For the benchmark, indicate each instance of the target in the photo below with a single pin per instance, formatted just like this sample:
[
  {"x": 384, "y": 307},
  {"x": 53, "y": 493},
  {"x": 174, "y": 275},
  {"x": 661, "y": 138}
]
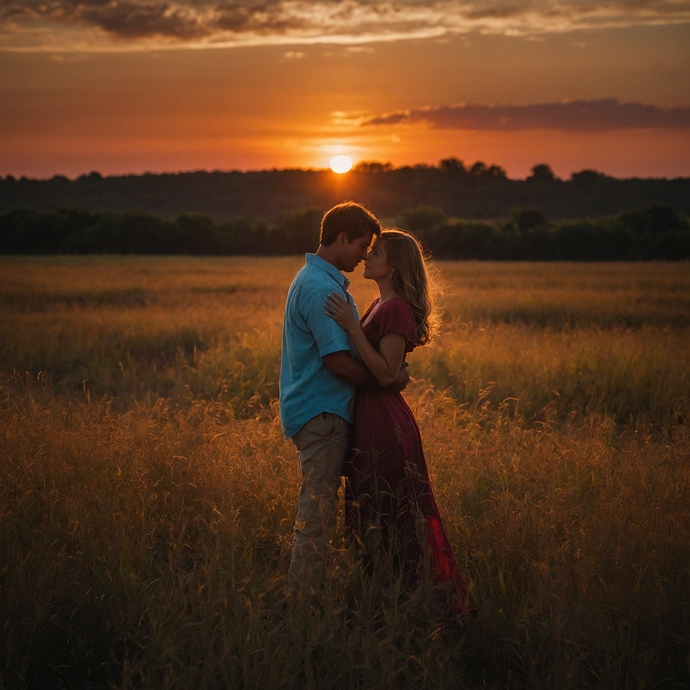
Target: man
[{"x": 318, "y": 376}]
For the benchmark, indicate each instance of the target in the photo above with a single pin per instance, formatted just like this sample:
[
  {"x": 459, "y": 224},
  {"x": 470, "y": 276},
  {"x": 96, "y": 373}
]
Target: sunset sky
[{"x": 174, "y": 85}]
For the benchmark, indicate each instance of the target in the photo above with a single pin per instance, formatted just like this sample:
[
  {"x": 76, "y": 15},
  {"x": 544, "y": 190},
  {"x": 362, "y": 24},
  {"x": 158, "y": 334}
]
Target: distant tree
[
  {"x": 672, "y": 246},
  {"x": 76, "y": 219},
  {"x": 526, "y": 219},
  {"x": 244, "y": 236},
  {"x": 296, "y": 233},
  {"x": 503, "y": 246},
  {"x": 458, "y": 239},
  {"x": 539, "y": 244},
  {"x": 131, "y": 232},
  {"x": 199, "y": 234},
  {"x": 478, "y": 169},
  {"x": 587, "y": 240},
  {"x": 421, "y": 220},
  {"x": 452, "y": 166},
  {"x": 654, "y": 219},
  {"x": 588, "y": 176},
  {"x": 95, "y": 175},
  {"x": 497, "y": 172},
  {"x": 25, "y": 230},
  {"x": 372, "y": 167},
  {"x": 542, "y": 173},
  {"x": 196, "y": 223}
]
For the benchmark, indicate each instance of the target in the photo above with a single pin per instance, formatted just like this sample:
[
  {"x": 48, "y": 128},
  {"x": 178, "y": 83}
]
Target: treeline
[
  {"x": 655, "y": 232},
  {"x": 459, "y": 190},
  {"x": 80, "y": 231}
]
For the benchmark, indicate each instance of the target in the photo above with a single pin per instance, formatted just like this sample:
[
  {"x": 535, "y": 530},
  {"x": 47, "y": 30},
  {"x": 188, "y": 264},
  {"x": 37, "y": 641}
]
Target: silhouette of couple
[{"x": 341, "y": 404}]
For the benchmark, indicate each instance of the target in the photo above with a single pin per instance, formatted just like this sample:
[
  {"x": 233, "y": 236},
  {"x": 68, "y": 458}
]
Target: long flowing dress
[{"x": 390, "y": 507}]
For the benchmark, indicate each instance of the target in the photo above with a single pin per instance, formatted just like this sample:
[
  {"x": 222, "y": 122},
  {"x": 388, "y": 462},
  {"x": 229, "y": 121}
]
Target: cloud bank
[
  {"x": 575, "y": 116},
  {"x": 209, "y": 22}
]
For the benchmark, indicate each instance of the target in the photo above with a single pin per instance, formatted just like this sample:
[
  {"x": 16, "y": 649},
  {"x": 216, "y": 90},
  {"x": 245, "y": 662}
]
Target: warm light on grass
[
  {"x": 148, "y": 496},
  {"x": 340, "y": 164}
]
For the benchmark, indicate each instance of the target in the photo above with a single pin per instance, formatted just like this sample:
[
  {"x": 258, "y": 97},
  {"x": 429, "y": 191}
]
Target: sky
[{"x": 134, "y": 86}]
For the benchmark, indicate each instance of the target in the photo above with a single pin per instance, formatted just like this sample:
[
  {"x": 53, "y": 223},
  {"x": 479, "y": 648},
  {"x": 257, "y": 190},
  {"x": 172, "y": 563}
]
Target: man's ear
[{"x": 342, "y": 239}]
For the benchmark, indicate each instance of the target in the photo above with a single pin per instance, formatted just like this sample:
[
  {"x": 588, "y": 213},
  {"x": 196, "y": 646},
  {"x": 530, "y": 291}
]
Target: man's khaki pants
[{"x": 322, "y": 443}]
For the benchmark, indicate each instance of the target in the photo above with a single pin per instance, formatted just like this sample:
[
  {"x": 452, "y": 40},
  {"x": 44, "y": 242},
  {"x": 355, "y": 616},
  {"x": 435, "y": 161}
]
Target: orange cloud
[{"x": 601, "y": 114}]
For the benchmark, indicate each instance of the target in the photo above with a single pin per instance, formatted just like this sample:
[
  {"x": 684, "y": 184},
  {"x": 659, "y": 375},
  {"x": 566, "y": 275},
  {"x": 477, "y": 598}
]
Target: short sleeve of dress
[{"x": 396, "y": 317}]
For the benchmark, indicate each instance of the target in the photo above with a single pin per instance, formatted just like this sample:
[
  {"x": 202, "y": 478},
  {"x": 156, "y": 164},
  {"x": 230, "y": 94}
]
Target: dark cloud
[
  {"x": 576, "y": 116},
  {"x": 130, "y": 19},
  {"x": 266, "y": 17},
  {"x": 137, "y": 20},
  {"x": 224, "y": 19}
]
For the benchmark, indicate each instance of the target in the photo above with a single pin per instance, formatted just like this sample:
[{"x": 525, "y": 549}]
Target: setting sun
[{"x": 340, "y": 164}]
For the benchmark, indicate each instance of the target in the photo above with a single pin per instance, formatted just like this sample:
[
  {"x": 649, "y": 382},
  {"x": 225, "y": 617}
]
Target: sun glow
[{"x": 340, "y": 164}]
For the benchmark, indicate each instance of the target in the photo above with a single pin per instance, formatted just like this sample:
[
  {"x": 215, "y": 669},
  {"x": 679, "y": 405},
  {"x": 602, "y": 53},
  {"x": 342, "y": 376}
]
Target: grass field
[{"x": 147, "y": 494}]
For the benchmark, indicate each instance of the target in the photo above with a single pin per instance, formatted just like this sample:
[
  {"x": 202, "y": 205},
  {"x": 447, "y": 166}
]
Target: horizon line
[{"x": 385, "y": 167}]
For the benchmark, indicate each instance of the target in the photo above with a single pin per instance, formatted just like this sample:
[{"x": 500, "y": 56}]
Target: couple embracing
[{"x": 340, "y": 402}]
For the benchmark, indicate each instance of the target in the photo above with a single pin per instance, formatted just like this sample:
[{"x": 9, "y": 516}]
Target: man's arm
[{"x": 345, "y": 366}]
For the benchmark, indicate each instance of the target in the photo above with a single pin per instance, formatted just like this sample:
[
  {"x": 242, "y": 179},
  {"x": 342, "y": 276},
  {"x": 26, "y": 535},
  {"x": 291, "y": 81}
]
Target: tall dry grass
[{"x": 147, "y": 494}]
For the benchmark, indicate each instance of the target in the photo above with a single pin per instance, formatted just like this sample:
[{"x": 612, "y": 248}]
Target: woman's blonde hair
[{"x": 414, "y": 280}]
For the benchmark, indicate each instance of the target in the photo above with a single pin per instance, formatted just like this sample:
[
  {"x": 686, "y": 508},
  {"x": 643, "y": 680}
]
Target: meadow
[{"x": 147, "y": 494}]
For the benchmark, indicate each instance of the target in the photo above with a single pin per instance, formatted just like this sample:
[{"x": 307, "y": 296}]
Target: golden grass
[{"x": 147, "y": 494}]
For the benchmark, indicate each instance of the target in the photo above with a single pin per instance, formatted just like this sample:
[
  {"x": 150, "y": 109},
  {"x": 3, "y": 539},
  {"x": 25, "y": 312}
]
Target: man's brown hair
[{"x": 348, "y": 217}]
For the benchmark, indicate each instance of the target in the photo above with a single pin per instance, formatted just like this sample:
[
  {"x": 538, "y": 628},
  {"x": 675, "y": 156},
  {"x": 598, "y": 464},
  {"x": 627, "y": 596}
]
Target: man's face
[{"x": 351, "y": 253}]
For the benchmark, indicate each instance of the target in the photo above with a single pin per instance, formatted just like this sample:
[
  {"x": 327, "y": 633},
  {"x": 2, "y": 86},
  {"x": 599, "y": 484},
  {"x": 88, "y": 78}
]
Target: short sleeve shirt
[{"x": 307, "y": 387}]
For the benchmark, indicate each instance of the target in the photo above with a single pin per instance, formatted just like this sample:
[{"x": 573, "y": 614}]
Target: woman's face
[{"x": 376, "y": 264}]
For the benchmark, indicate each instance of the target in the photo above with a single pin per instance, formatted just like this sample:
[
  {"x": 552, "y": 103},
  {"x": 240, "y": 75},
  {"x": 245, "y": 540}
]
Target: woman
[{"x": 390, "y": 504}]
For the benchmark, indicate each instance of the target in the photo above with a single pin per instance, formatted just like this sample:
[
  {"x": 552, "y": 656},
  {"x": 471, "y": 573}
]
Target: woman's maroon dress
[{"x": 389, "y": 502}]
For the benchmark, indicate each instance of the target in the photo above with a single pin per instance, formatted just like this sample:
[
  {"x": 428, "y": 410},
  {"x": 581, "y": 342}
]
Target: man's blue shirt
[{"x": 307, "y": 387}]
